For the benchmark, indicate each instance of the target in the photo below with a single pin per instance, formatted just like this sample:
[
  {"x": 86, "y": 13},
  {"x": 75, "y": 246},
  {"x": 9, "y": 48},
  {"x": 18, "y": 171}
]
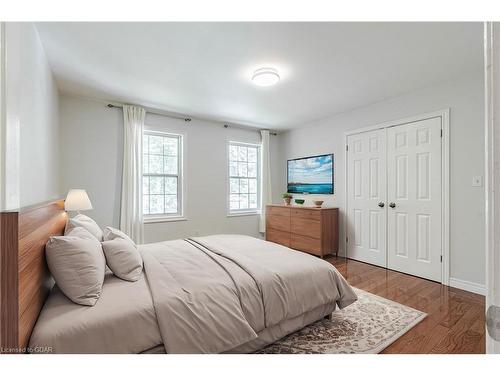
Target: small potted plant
[{"x": 287, "y": 198}]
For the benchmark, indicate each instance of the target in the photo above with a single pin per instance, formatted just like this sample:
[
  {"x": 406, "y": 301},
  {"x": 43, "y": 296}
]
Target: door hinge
[
  {"x": 346, "y": 239},
  {"x": 441, "y": 133},
  {"x": 346, "y": 147},
  {"x": 441, "y": 259}
]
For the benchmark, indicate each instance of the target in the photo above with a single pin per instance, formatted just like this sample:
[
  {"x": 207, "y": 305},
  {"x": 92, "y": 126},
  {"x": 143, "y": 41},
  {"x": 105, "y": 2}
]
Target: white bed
[{"x": 214, "y": 294}]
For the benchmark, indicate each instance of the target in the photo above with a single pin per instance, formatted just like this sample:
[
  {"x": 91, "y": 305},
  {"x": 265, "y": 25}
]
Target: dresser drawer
[
  {"x": 306, "y": 227},
  {"x": 277, "y": 236},
  {"x": 278, "y": 211},
  {"x": 278, "y": 222},
  {"x": 307, "y": 244},
  {"x": 306, "y": 214}
]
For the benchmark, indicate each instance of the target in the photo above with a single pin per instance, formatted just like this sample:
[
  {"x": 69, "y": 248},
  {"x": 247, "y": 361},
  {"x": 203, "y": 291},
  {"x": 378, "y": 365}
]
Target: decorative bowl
[
  {"x": 318, "y": 203},
  {"x": 300, "y": 201}
]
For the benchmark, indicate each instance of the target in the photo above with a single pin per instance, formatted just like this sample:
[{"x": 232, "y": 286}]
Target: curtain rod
[
  {"x": 156, "y": 112},
  {"x": 185, "y": 118}
]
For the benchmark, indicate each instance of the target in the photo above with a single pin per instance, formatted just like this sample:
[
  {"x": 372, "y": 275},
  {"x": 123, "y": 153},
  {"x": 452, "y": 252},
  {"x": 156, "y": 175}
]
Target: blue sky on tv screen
[{"x": 315, "y": 170}]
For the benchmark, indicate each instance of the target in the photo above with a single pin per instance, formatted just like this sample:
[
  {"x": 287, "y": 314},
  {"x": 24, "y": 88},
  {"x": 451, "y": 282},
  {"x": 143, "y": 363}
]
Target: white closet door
[
  {"x": 366, "y": 201},
  {"x": 414, "y": 198}
]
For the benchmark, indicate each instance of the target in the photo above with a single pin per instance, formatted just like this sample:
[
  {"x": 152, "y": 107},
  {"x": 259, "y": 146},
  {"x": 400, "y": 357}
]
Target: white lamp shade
[{"x": 77, "y": 200}]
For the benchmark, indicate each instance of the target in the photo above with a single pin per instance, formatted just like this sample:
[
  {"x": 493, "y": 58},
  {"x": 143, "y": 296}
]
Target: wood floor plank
[{"x": 455, "y": 321}]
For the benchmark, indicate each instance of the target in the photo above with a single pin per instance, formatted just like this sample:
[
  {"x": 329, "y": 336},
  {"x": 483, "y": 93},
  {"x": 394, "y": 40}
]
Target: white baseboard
[{"x": 468, "y": 286}]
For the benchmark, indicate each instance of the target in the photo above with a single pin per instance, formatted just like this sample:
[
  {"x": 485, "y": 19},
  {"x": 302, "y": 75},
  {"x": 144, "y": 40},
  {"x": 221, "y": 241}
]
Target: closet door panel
[
  {"x": 366, "y": 197},
  {"x": 414, "y": 197}
]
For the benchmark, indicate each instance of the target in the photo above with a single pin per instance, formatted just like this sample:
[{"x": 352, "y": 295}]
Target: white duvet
[{"x": 212, "y": 294}]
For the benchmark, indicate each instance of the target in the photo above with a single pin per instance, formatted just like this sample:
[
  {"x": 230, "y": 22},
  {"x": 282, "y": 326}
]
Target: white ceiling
[{"x": 204, "y": 69}]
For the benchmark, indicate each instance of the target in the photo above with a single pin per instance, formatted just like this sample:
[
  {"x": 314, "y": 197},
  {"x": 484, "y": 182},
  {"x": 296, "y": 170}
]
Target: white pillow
[
  {"x": 77, "y": 264},
  {"x": 84, "y": 222},
  {"x": 111, "y": 233},
  {"x": 123, "y": 258}
]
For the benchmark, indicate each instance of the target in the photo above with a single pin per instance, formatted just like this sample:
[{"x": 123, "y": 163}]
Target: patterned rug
[{"x": 367, "y": 326}]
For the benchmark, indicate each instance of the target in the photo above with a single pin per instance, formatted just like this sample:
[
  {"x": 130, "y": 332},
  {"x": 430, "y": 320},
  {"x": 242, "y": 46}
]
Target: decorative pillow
[
  {"x": 84, "y": 222},
  {"x": 123, "y": 258},
  {"x": 111, "y": 233},
  {"x": 77, "y": 264}
]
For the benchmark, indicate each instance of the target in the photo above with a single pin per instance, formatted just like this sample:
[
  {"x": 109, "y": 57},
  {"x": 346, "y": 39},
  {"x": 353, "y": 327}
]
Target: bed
[{"x": 213, "y": 294}]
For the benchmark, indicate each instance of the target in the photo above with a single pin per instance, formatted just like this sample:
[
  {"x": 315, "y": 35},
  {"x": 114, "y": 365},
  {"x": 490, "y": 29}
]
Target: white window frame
[
  {"x": 246, "y": 211},
  {"x": 179, "y": 215}
]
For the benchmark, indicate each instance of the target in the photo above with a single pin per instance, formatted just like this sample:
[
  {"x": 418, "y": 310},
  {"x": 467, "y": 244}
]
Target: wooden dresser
[{"x": 309, "y": 229}]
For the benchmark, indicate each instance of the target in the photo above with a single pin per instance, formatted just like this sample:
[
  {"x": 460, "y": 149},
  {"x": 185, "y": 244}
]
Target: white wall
[
  {"x": 32, "y": 150},
  {"x": 91, "y": 139},
  {"x": 465, "y": 98},
  {"x": 91, "y": 150},
  {"x": 31, "y": 129}
]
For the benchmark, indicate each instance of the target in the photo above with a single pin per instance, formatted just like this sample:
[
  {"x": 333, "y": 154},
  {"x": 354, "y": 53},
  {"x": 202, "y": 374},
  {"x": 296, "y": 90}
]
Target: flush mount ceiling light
[{"x": 265, "y": 77}]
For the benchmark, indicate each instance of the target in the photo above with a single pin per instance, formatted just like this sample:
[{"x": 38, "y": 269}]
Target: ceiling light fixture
[{"x": 265, "y": 77}]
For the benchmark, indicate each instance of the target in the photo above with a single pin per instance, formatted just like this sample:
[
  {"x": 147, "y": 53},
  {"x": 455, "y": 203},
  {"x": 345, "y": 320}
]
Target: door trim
[
  {"x": 444, "y": 114},
  {"x": 2, "y": 115},
  {"x": 492, "y": 134}
]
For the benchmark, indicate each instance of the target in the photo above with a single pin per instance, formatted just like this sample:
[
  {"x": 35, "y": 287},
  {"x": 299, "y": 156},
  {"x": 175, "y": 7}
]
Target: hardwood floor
[{"x": 455, "y": 321}]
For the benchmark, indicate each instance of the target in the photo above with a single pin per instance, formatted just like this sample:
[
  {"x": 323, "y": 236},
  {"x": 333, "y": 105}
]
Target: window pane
[
  {"x": 171, "y": 203},
  {"x": 252, "y": 169},
  {"x": 233, "y": 153},
  {"x": 155, "y": 164},
  {"x": 170, "y": 146},
  {"x": 252, "y": 186},
  {"x": 233, "y": 169},
  {"x": 160, "y": 157},
  {"x": 145, "y": 204},
  {"x": 243, "y": 181},
  {"x": 145, "y": 164},
  {"x": 252, "y": 154},
  {"x": 170, "y": 165},
  {"x": 242, "y": 169},
  {"x": 234, "y": 186},
  {"x": 157, "y": 204},
  {"x": 252, "y": 200},
  {"x": 242, "y": 153},
  {"x": 145, "y": 140},
  {"x": 170, "y": 185},
  {"x": 243, "y": 185},
  {"x": 156, "y": 185},
  {"x": 155, "y": 145},
  {"x": 243, "y": 201}
]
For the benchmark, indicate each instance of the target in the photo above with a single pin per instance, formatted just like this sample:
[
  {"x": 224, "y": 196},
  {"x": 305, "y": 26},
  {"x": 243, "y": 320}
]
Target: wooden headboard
[{"x": 24, "y": 278}]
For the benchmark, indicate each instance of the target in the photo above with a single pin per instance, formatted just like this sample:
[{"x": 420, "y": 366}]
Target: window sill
[
  {"x": 244, "y": 213},
  {"x": 164, "y": 219}
]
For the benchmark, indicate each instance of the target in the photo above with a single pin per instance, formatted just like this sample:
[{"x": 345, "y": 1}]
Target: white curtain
[
  {"x": 131, "y": 205},
  {"x": 266, "y": 179}
]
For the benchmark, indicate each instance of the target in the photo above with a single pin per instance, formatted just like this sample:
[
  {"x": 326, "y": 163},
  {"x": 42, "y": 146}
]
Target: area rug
[{"x": 367, "y": 326}]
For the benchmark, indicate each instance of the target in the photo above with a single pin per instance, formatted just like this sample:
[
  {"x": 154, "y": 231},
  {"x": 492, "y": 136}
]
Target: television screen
[{"x": 311, "y": 175}]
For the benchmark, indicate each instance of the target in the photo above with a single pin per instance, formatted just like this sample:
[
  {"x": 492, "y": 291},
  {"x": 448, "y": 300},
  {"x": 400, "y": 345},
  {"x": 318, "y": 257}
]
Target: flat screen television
[{"x": 310, "y": 175}]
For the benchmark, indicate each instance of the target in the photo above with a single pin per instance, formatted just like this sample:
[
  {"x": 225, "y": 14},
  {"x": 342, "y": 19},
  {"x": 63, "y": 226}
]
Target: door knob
[
  {"x": 392, "y": 205},
  {"x": 381, "y": 204}
]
